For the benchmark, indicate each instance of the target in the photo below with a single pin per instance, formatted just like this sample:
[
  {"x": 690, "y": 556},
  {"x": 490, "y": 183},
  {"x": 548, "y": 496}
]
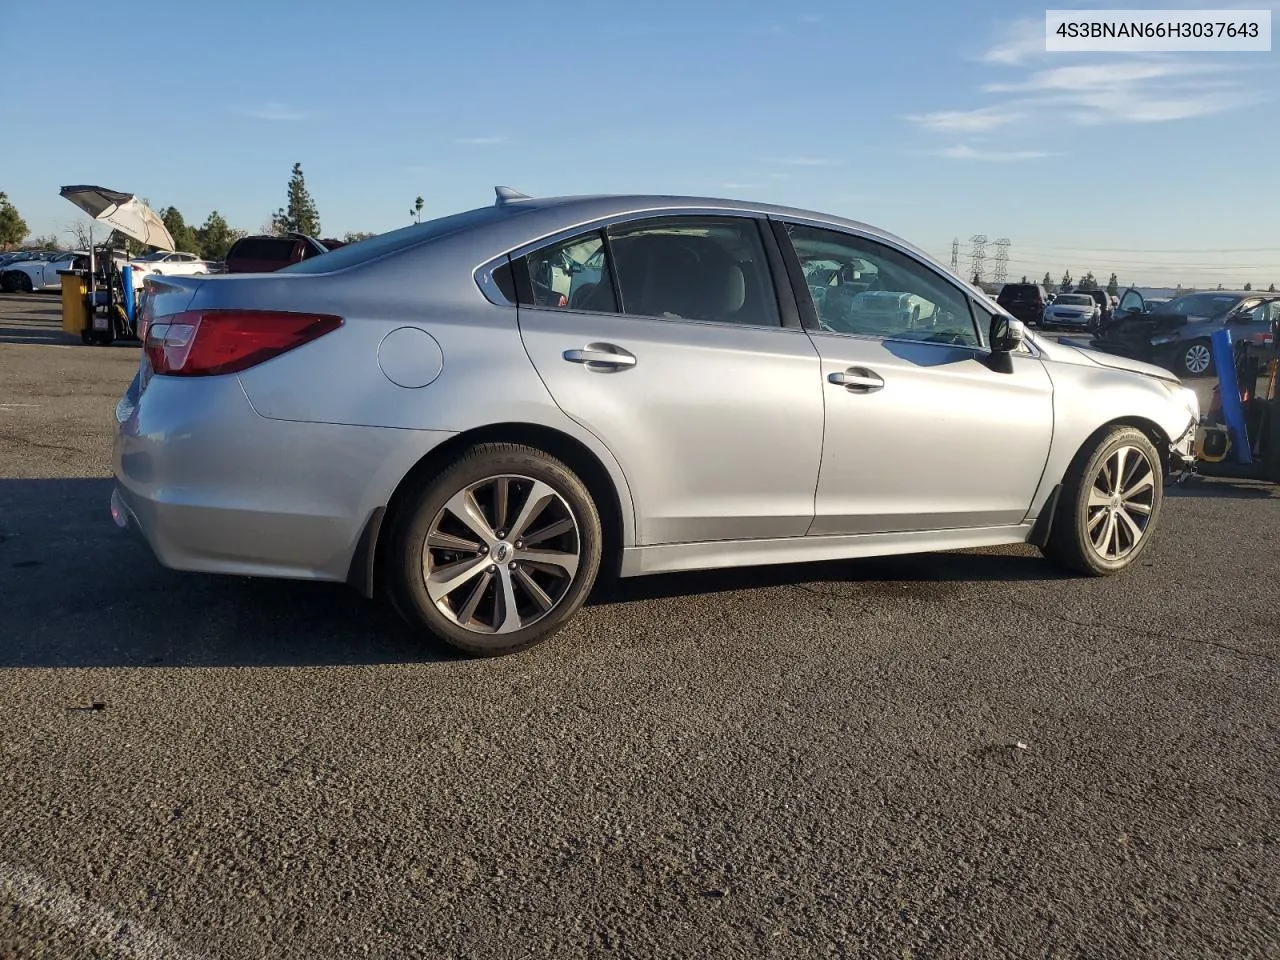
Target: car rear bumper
[{"x": 216, "y": 488}]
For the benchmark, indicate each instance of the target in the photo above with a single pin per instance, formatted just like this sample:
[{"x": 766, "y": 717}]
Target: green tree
[
  {"x": 417, "y": 209},
  {"x": 300, "y": 214},
  {"x": 1065, "y": 285},
  {"x": 1248, "y": 286},
  {"x": 1113, "y": 286},
  {"x": 1047, "y": 282},
  {"x": 44, "y": 242},
  {"x": 355, "y": 236},
  {"x": 13, "y": 229},
  {"x": 1087, "y": 282},
  {"x": 184, "y": 238},
  {"x": 1271, "y": 289},
  {"x": 216, "y": 237}
]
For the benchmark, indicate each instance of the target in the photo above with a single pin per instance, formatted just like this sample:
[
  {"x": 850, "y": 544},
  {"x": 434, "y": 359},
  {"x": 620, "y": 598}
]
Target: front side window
[
  {"x": 864, "y": 288},
  {"x": 711, "y": 269}
]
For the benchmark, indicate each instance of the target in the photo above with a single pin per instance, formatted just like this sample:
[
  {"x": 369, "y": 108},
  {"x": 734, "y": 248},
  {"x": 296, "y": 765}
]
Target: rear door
[{"x": 682, "y": 360}]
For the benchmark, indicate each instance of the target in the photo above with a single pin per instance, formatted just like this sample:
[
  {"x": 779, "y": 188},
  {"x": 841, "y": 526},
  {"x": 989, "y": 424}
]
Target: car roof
[{"x": 588, "y": 207}]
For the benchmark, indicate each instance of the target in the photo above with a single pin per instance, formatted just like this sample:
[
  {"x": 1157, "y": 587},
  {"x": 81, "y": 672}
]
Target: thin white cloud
[
  {"x": 966, "y": 152},
  {"x": 1094, "y": 76},
  {"x": 1022, "y": 40},
  {"x": 1087, "y": 91},
  {"x": 480, "y": 141},
  {"x": 274, "y": 111},
  {"x": 967, "y": 121},
  {"x": 811, "y": 18},
  {"x": 805, "y": 161}
]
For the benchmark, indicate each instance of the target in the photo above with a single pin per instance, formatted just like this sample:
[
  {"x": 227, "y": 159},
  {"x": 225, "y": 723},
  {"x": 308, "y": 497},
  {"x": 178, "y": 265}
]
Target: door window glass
[
  {"x": 865, "y": 288},
  {"x": 695, "y": 268},
  {"x": 571, "y": 274}
]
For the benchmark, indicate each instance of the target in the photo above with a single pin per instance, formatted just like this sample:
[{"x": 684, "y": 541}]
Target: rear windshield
[
  {"x": 1020, "y": 293},
  {"x": 354, "y": 254},
  {"x": 263, "y": 248}
]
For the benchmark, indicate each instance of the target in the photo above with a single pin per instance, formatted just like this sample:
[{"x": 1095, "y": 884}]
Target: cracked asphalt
[{"x": 955, "y": 755}]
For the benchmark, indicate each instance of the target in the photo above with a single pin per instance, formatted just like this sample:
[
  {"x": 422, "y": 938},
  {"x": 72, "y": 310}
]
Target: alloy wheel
[
  {"x": 501, "y": 554},
  {"x": 1197, "y": 358},
  {"x": 1121, "y": 499}
]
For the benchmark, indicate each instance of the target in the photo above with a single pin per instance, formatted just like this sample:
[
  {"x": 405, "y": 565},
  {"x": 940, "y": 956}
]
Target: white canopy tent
[{"x": 125, "y": 212}]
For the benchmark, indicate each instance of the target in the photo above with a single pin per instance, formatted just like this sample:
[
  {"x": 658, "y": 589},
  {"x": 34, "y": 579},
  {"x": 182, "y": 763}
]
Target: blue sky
[{"x": 934, "y": 120}]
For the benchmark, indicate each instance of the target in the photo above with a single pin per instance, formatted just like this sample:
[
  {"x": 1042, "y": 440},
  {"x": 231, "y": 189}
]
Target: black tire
[
  {"x": 423, "y": 507},
  {"x": 1070, "y": 542},
  {"x": 1183, "y": 359},
  {"x": 24, "y": 284}
]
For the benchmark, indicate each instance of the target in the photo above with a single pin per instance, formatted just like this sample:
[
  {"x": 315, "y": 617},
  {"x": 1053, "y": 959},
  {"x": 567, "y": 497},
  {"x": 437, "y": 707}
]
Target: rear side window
[
  {"x": 695, "y": 268},
  {"x": 570, "y": 274}
]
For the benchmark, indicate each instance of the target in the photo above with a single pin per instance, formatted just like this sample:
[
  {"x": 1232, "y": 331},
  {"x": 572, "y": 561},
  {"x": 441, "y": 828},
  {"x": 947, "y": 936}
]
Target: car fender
[{"x": 1088, "y": 397}]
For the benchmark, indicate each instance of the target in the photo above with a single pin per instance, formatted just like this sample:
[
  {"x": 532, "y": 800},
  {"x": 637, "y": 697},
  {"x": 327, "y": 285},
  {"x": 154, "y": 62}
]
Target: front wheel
[
  {"x": 497, "y": 552},
  {"x": 1109, "y": 505},
  {"x": 1195, "y": 359}
]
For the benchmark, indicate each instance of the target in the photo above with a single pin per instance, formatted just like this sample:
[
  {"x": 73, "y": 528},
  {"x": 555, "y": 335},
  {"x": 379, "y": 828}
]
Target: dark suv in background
[
  {"x": 1026, "y": 301},
  {"x": 268, "y": 253}
]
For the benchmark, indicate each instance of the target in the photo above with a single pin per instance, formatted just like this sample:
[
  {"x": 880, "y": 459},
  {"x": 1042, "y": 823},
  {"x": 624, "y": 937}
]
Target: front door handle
[
  {"x": 858, "y": 380},
  {"x": 599, "y": 356}
]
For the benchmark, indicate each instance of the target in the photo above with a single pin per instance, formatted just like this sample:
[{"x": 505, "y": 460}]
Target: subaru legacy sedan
[{"x": 410, "y": 416}]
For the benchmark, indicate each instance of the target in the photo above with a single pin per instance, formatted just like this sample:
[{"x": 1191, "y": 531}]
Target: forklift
[{"x": 1239, "y": 435}]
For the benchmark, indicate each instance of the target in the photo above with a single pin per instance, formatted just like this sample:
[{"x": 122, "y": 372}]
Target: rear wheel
[
  {"x": 497, "y": 552},
  {"x": 24, "y": 284},
  {"x": 1109, "y": 505},
  {"x": 1195, "y": 359}
]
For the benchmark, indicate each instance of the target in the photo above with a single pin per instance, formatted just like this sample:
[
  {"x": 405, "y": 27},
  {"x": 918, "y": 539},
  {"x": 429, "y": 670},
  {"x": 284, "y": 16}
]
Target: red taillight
[{"x": 205, "y": 343}]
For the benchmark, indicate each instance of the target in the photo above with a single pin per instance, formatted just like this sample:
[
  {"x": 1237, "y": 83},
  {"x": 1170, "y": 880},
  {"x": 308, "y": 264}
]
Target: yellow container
[{"x": 75, "y": 310}]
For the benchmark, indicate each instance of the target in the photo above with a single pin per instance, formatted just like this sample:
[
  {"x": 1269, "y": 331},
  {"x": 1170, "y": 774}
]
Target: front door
[
  {"x": 923, "y": 430},
  {"x": 676, "y": 358}
]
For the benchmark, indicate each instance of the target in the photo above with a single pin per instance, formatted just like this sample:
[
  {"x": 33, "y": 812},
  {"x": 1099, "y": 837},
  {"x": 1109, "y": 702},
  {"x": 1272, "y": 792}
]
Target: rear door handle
[
  {"x": 602, "y": 355},
  {"x": 858, "y": 380}
]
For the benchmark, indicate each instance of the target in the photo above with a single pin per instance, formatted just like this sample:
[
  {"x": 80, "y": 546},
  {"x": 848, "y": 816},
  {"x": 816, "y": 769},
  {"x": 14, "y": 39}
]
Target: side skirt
[{"x": 673, "y": 557}]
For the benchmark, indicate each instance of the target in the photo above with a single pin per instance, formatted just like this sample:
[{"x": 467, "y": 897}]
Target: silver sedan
[{"x": 481, "y": 415}]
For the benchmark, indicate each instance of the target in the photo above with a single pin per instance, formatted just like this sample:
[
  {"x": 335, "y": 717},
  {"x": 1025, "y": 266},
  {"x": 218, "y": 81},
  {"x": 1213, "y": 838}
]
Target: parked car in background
[
  {"x": 1075, "y": 311},
  {"x": 269, "y": 252},
  {"x": 1104, "y": 305},
  {"x": 1175, "y": 333},
  {"x": 411, "y": 419},
  {"x": 1026, "y": 301},
  {"x": 25, "y": 276},
  {"x": 163, "y": 263}
]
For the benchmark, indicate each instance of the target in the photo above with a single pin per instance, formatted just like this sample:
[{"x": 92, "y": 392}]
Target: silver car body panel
[{"x": 726, "y": 445}]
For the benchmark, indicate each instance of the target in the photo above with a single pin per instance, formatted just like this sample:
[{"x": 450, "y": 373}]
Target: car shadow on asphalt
[{"x": 75, "y": 591}]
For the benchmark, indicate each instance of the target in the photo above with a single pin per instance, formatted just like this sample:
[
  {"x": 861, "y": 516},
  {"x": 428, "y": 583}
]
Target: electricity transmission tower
[
  {"x": 955, "y": 255},
  {"x": 977, "y": 254},
  {"x": 1001, "y": 270}
]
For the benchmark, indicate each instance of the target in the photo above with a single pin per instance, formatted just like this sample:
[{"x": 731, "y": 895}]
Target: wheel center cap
[
  {"x": 501, "y": 551},
  {"x": 1115, "y": 502}
]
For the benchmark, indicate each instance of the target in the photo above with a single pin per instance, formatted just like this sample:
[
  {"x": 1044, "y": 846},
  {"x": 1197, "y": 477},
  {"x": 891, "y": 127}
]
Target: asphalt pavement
[{"x": 953, "y": 755}]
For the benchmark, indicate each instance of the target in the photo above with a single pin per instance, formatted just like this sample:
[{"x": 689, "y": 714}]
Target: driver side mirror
[{"x": 1006, "y": 334}]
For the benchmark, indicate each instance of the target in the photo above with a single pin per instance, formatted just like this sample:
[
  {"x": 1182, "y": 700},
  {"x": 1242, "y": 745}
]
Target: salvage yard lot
[{"x": 959, "y": 754}]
